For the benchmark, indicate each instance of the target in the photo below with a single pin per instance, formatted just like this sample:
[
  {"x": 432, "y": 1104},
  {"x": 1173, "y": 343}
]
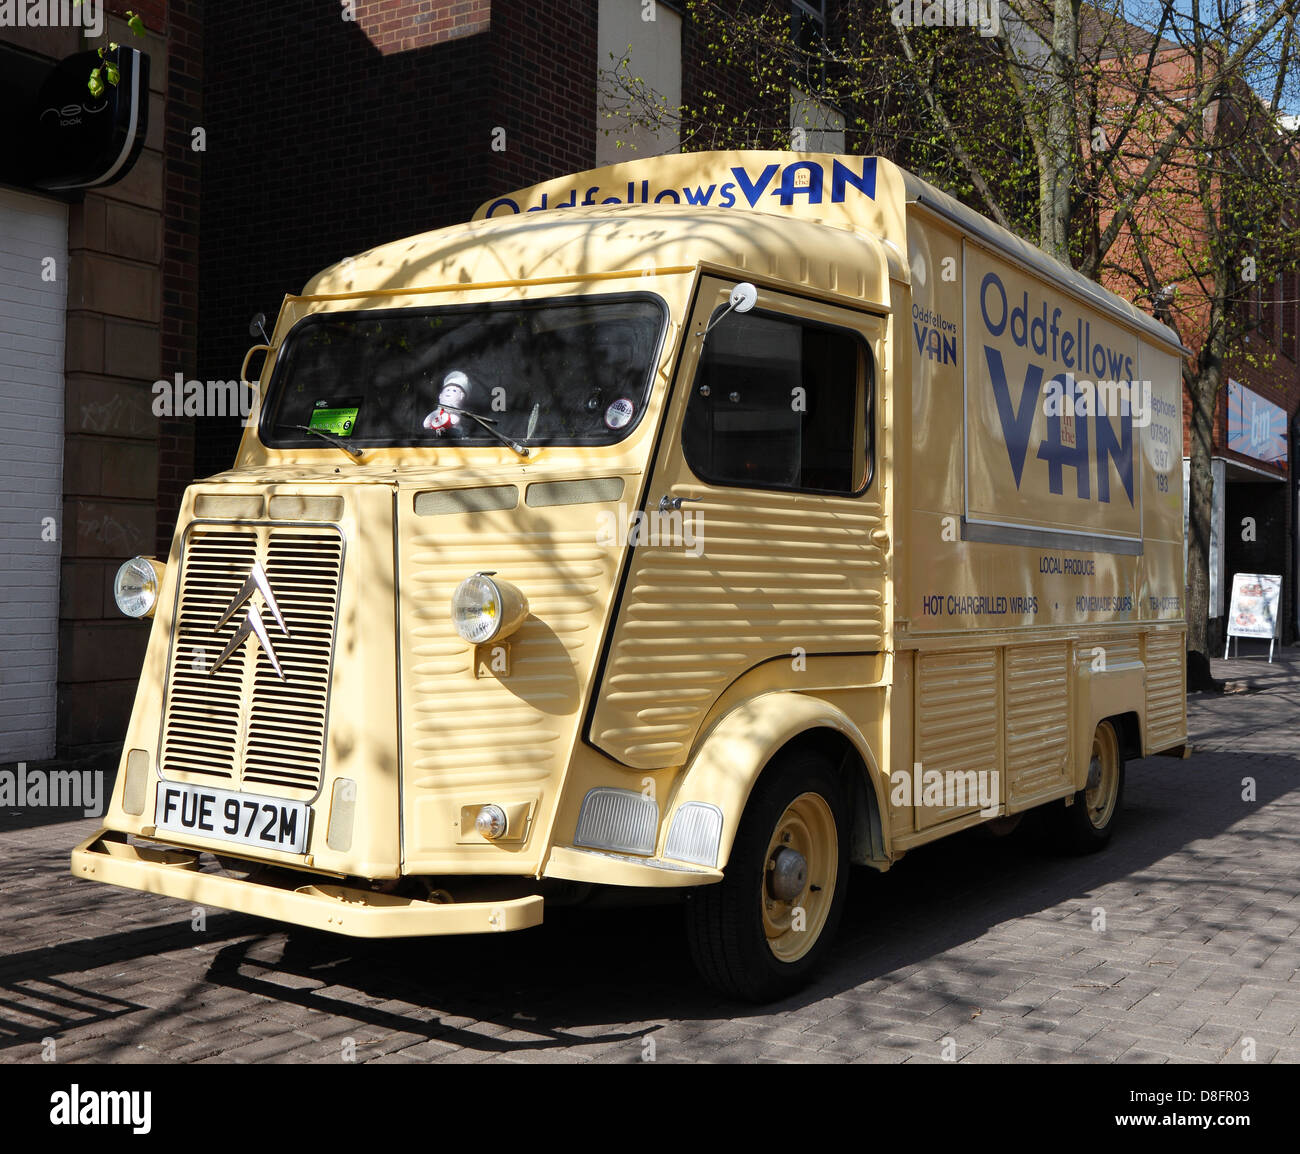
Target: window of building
[
  {"x": 781, "y": 403},
  {"x": 809, "y": 24},
  {"x": 808, "y": 33}
]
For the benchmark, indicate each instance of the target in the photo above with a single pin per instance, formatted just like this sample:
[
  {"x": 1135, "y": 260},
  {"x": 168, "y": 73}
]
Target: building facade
[{"x": 88, "y": 262}]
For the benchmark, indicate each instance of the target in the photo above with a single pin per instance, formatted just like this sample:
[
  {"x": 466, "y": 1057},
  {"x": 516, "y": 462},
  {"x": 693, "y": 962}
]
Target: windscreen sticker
[
  {"x": 619, "y": 413},
  {"x": 337, "y": 420}
]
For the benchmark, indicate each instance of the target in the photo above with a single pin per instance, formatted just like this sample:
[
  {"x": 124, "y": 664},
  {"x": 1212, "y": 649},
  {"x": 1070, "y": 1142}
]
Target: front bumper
[{"x": 108, "y": 857}]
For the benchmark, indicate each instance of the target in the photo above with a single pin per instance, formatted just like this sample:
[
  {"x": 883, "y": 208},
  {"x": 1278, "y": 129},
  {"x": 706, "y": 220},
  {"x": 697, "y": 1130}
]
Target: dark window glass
[
  {"x": 808, "y": 34},
  {"x": 808, "y": 24},
  {"x": 781, "y": 403},
  {"x": 376, "y": 376}
]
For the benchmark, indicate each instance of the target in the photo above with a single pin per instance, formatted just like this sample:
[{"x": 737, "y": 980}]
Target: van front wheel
[{"x": 760, "y": 932}]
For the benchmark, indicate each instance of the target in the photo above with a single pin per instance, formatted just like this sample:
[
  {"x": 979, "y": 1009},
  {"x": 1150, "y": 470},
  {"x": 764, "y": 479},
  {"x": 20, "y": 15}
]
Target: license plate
[{"x": 246, "y": 818}]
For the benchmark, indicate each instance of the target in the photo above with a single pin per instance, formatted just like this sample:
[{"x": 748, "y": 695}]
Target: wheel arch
[
  {"x": 739, "y": 748},
  {"x": 1128, "y": 728}
]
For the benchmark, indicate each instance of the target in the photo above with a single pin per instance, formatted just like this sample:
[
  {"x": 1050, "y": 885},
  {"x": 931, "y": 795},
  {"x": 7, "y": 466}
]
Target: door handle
[{"x": 669, "y": 504}]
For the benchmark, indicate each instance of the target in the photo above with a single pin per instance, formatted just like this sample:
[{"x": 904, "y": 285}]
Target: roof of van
[
  {"x": 631, "y": 240},
  {"x": 763, "y": 212}
]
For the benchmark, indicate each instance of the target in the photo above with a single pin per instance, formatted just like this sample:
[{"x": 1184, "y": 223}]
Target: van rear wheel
[
  {"x": 761, "y": 932},
  {"x": 1087, "y": 825}
]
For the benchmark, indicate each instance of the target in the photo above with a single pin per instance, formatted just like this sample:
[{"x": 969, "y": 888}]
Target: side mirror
[
  {"x": 743, "y": 298},
  {"x": 257, "y": 327}
]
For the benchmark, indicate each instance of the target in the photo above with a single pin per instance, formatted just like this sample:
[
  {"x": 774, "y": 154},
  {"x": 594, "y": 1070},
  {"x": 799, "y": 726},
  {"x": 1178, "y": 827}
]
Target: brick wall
[
  {"x": 152, "y": 12},
  {"x": 543, "y": 62},
  {"x": 396, "y": 26},
  {"x": 180, "y": 270}
]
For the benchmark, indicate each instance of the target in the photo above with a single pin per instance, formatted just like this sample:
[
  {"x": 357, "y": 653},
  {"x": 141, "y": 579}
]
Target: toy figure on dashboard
[{"x": 445, "y": 421}]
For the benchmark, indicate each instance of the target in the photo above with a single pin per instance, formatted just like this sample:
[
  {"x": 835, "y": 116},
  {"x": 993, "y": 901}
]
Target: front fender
[{"x": 738, "y": 747}]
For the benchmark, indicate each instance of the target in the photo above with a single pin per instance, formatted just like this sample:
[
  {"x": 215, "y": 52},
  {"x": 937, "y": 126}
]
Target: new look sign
[{"x": 1256, "y": 427}]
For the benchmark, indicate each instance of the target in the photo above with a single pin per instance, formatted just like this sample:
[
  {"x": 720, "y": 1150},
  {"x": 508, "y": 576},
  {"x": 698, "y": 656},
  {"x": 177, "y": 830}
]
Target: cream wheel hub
[
  {"x": 800, "y": 870},
  {"x": 789, "y": 874}
]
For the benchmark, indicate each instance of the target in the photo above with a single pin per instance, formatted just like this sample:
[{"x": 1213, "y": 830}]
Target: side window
[{"x": 781, "y": 403}]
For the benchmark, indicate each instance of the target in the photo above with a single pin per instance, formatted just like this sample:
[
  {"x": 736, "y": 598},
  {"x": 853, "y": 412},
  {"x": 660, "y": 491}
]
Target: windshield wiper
[
  {"x": 337, "y": 442},
  {"x": 487, "y": 423}
]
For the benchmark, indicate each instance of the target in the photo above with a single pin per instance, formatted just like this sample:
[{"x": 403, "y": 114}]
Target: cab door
[{"x": 761, "y": 532}]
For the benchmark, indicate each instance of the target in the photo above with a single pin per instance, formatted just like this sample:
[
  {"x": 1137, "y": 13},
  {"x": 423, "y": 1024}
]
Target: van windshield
[{"x": 577, "y": 370}]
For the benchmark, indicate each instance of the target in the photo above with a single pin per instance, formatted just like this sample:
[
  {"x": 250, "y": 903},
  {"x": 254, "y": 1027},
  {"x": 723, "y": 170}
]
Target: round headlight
[
  {"x": 483, "y": 609},
  {"x": 135, "y": 588},
  {"x": 491, "y": 822}
]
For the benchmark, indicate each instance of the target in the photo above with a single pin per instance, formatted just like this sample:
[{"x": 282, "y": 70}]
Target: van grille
[{"x": 241, "y": 723}]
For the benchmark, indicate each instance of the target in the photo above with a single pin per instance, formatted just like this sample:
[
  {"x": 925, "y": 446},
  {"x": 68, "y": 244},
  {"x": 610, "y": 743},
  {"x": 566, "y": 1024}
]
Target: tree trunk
[
  {"x": 1061, "y": 143},
  {"x": 1204, "y": 390}
]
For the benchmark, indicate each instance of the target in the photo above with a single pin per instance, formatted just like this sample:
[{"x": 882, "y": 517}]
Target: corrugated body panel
[
  {"x": 957, "y": 721},
  {"x": 1110, "y": 653},
  {"x": 465, "y": 739},
  {"x": 242, "y": 723},
  {"x": 776, "y": 572},
  {"x": 1037, "y": 686},
  {"x": 1166, "y": 690}
]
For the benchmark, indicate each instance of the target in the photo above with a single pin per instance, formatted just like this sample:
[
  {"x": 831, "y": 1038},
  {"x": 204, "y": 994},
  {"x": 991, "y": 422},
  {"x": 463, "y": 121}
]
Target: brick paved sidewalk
[{"x": 973, "y": 950}]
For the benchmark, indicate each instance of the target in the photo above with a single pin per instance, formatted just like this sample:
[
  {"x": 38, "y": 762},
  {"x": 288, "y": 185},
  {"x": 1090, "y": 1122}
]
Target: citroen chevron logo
[{"x": 252, "y": 623}]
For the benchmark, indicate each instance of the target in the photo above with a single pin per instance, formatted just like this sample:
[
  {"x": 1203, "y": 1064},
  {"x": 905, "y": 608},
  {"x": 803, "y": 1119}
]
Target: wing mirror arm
[
  {"x": 743, "y": 298},
  {"x": 256, "y": 327}
]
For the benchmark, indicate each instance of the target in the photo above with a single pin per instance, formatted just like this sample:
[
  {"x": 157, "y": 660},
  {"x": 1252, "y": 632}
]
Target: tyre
[
  {"x": 761, "y": 932},
  {"x": 1086, "y": 826}
]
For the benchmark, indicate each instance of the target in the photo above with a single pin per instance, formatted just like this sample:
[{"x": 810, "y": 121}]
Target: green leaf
[
  {"x": 134, "y": 23},
  {"x": 96, "y": 83},
  {"x": 113, "y": 74}
]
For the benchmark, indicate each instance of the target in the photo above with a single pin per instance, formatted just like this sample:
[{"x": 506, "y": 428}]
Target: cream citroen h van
[{"x": 705, "y": 523}]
